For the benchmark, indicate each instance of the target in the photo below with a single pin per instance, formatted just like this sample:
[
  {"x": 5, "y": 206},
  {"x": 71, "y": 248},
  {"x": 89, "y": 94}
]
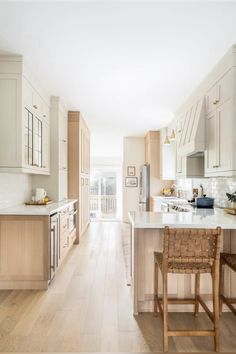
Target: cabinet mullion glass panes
[
  {"x": 37, "y": 142},
  {"x": 28, "y": 143},
  {"x": 33, "y": 139}
]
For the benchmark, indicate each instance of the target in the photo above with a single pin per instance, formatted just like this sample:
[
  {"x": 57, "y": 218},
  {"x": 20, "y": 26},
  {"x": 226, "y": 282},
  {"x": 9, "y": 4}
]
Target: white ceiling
[{"x": 126, "y": 65}]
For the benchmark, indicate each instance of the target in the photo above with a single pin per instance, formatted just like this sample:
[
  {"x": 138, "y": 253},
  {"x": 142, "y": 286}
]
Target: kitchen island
[{"x": 147, "y": 237}]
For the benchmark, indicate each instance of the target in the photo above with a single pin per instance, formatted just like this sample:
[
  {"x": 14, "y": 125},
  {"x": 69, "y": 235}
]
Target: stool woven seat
[
  {"x": 189, "y": 251},
  {"x": 229, "y": 260},
  {"x": 182, "y": 267}
]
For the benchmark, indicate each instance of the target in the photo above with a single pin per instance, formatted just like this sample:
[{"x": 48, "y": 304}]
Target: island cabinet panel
[
  {"x": 24, "y": 249},
  {"x": 144, "y": 243}
]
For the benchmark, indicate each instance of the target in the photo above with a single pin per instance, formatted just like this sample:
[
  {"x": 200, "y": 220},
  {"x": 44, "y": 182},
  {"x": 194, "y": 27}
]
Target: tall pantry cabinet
[{"x": 79, "y": 168}]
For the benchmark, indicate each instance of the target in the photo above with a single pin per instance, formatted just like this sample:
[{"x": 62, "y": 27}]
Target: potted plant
[{"x": 232, "y": 199}]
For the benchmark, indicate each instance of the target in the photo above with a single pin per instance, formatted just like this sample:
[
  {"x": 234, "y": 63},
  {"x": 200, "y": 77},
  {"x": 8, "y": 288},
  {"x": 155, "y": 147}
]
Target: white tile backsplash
[
  {"x": 213, "y": 187},
  {"x": 15, "y": 188}
]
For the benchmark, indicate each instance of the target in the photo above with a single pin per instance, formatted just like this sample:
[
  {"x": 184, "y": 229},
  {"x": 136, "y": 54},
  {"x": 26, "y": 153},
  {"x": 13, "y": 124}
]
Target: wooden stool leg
[
  {"x": 165, "y": 311},
  {"x": 222, "y": 271},
  {"x": 216, "y": 310},
  {"x": 155, "y": 288},
  {"x": 197, "y": 292}
]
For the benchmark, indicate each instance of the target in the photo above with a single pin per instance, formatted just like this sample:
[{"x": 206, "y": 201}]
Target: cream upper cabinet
[
  {"x": 219, "y": 127},
  {"x": 220, "y": 92},
  {"x": 46, "y": 147},
  {"x": 210, "y": 154},
  {"x": 22, "y": 132},
  {"x": 219, "y": 150},
  {"x": 209, "y": 124},
  {"x": 180, "y": 171},
  {"x": 56, "y": 183}
]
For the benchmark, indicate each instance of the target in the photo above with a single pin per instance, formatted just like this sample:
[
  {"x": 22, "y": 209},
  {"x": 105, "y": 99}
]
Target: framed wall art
[
  {"x": 131, "y": 181},
  {"x": 131, "y": 171}
]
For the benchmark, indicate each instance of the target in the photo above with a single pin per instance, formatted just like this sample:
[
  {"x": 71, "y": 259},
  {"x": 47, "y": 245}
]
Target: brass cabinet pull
[{"x": 36, "y": 107}]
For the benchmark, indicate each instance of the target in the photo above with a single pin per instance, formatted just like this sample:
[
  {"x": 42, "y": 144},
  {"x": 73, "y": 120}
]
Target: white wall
[
  {"x": 14, "y": 189},
  {"x": 133, "y": 155}
]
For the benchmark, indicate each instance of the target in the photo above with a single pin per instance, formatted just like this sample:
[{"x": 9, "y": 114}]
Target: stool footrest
[
  {"x": 183, "y": 333},
  {"x": 229, "y": 303}
]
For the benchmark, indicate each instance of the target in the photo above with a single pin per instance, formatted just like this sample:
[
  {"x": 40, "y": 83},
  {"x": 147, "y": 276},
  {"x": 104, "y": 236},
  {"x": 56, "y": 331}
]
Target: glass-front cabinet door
[
  {"x": 37, "y": 142},
  {"x": 28, "y": 136},
  {"x": 33, "y": 139}
]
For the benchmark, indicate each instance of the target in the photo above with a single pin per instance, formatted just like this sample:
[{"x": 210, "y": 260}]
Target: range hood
[{"x": 192, "y": 134}]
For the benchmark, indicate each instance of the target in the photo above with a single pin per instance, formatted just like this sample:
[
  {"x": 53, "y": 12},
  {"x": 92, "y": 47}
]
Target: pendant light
[
  {"x": 167, "y": 141},
  {"x": 172, "y": 136}
]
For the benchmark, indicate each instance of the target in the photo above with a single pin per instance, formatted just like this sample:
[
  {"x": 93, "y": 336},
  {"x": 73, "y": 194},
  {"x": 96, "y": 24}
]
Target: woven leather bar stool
[
  {"x": 189, "y": 251},
  {"x": 229, "y": 260}
]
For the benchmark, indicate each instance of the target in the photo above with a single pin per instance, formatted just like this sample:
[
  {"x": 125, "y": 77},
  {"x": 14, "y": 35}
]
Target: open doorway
[{"x": 105, "y": 193}]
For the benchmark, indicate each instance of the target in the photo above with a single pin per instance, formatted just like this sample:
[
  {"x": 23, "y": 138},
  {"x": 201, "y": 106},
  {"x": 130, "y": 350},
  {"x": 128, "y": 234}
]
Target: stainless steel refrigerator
[{"x": 144, "y": 187}]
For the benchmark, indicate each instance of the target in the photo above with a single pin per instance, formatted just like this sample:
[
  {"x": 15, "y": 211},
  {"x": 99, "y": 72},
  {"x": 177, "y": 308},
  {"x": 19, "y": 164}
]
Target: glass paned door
[
  {"x": 103, "y": 194},
  {"x": 28, "y": 137}
]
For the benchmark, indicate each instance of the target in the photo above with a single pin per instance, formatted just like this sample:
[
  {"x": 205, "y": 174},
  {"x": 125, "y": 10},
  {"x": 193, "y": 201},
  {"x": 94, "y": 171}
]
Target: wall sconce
[{"x": 170, "y": 138}]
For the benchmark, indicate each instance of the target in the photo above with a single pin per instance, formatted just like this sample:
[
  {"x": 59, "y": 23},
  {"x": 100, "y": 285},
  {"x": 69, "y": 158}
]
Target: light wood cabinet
[
  {"x": 26, "y": 250},
  {"x": 153, "y": 158},
  {"x": 56, "y": 183},
  {"x": 79, "y": 168},
  {"x": 24, "y": 120}
]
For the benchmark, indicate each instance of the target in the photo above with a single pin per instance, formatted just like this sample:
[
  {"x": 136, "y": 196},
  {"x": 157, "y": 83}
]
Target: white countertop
[
  {"x": 197, "y": 218},
  {"x": 37, "y": 209}
]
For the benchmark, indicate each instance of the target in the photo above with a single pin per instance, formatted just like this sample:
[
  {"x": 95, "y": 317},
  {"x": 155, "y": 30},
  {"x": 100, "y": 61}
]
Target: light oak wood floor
[{"x": 88, "y": 308}]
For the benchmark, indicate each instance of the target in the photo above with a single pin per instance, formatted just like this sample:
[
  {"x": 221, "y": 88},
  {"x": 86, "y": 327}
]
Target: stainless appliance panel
[
  {"x": 144, "y": 184},
  {"x": 54, "y": 244}
]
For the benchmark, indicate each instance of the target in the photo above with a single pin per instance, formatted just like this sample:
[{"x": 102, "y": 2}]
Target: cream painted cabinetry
[
  {"x": 24, "y": 120},
  {"x": 56, "y": 183},
  {"x": 79, "y": 167},
  {"x": 220, "y": 92},
  {"x": 216, "y": 138},
  {"x": 219, "y": 128}
]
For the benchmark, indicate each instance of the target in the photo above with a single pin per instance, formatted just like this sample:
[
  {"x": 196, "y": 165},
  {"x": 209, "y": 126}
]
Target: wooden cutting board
[
  {"x": 39, "y": 203},
  {"x": 230, "y": 211}
]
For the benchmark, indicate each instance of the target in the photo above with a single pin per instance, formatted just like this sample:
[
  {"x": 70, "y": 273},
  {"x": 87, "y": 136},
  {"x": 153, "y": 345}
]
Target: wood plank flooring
[{"x": 88, "y": 308}]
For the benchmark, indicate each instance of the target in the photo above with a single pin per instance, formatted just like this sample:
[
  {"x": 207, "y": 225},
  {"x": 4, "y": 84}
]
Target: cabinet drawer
[
  {"x": 63, "y": 223},
  {"x": 64, "y": 244}
]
